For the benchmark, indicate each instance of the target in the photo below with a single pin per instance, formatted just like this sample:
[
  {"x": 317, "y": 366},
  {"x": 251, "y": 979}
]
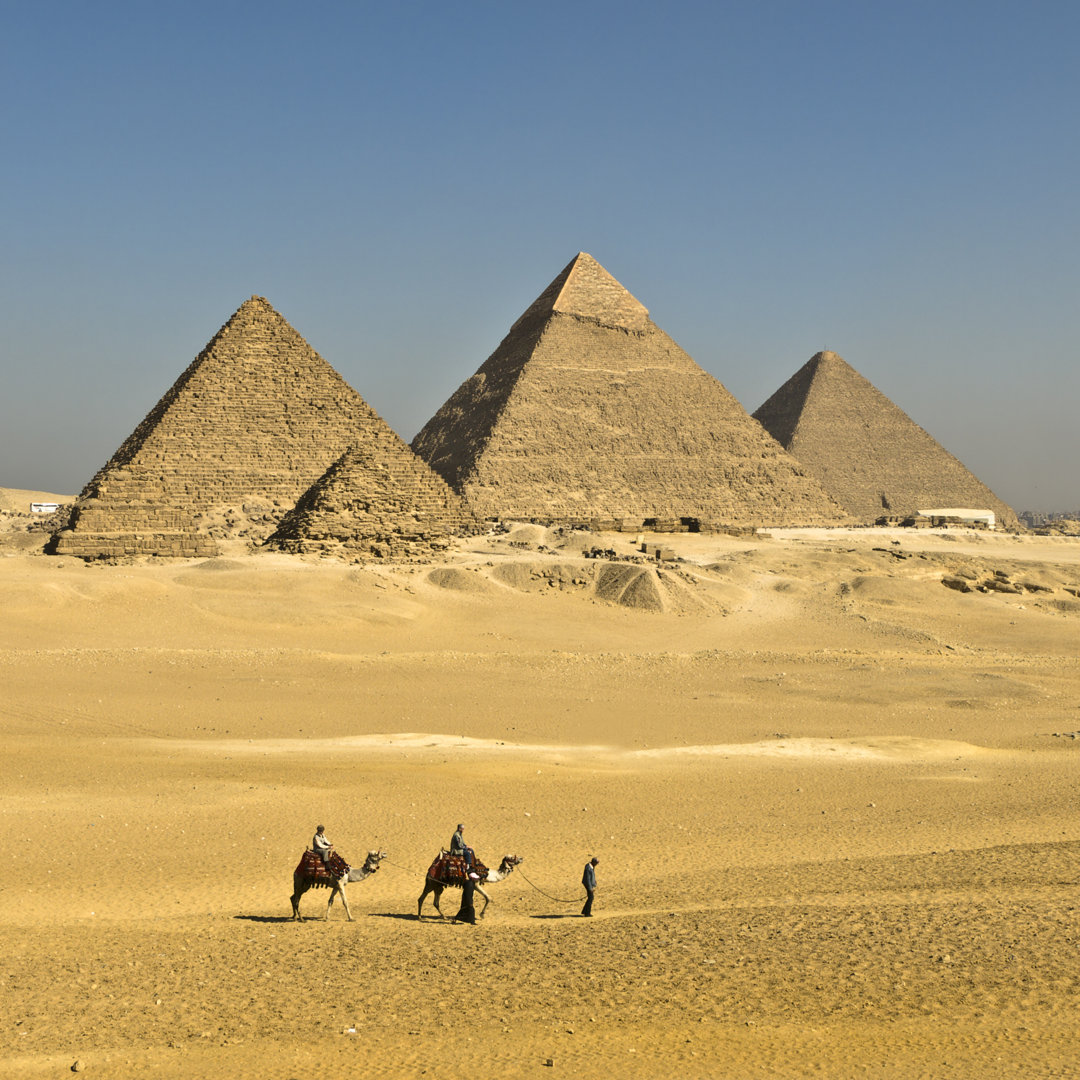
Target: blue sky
[{"x": 896, "y": 182}]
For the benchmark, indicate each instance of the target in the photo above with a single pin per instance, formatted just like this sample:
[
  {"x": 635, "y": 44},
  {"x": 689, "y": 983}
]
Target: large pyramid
[
  {"x": 587, "y": 410},
  {"x": 868, "y": 453},
  {"x": 252, "y": 423},
  {"x": 377, "y": 499}
]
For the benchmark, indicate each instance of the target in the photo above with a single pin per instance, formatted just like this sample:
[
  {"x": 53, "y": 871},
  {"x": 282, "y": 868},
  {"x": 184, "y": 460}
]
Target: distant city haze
[{"x": 770, "y": 183}]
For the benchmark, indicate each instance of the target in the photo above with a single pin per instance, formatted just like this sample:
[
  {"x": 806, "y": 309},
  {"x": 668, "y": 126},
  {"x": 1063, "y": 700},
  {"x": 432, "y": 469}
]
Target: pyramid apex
[
  {"x": 255, "y": 309},
  {"x": 590, "y": 292}
]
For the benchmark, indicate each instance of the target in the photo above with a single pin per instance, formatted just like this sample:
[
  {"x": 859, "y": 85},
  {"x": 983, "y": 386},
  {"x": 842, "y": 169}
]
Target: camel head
[
  {"x": 371, "y": 863},
  {"x": 508, "y": 863}
]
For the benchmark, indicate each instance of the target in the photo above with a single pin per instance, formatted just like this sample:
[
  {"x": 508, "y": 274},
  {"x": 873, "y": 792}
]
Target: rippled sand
[{"x": 834, "y": 803}]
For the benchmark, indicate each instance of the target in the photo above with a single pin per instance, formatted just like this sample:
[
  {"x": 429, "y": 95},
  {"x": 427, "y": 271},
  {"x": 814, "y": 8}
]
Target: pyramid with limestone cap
[
  {"x": 587, "y": 410},
  {"x": 866, "y": 451},
  {"x": 251, "y": 424}
]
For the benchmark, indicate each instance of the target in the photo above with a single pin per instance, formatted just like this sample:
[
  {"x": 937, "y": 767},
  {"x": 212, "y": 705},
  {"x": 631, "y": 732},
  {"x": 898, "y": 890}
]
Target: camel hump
[
  {"x": 312, "y": 867},
  {"x": 452, "y": 869}
]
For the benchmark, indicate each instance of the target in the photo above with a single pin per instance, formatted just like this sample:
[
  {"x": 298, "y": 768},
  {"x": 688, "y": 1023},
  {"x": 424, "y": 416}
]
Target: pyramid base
[
  {"x": 120, "y": 545},
  {"x": 383, "y": 549}
]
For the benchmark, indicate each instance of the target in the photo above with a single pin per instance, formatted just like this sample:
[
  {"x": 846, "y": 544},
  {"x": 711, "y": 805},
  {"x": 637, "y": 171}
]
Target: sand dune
[{"x": 833, "y": 799}]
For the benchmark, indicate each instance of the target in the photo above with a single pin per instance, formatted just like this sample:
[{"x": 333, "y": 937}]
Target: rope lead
[{"x": 557, "y": 900}]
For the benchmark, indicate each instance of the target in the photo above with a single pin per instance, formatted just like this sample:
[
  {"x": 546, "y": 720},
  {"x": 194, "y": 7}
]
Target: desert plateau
[{"x": 830, "y": 776}]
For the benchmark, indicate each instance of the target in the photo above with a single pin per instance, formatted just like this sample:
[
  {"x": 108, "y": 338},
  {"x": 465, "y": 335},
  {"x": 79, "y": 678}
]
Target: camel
[
  {"x": 335, "y": 875},
  {"x": 446, "y": 871}
]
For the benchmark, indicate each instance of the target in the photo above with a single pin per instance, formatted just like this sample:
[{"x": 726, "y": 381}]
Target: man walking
[{"x": 588, "y": 879}]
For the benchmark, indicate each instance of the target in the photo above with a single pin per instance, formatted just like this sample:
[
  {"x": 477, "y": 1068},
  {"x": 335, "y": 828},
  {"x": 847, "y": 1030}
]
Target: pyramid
[
  {"x": 252, "y": 423},
  {"x": 588, "y": 411},
  {"x": 868, "y": 453},
  {"x": 377, "y": 499}
]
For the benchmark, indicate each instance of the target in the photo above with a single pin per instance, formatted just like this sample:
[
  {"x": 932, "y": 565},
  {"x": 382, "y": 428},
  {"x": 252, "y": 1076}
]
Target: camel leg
[
  {"x": 295, "y": 900},
  {"x": 344, "y": 903},
  {"x": 487, "y": 900},
  {"x": 429, "y": 888}
]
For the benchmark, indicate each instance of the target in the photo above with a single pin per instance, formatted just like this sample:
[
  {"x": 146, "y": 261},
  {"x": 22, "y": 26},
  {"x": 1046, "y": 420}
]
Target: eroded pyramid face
[
  {"x": 866, "y": 451},
  {"x": 378, "y": 499},
  {"x": 588, "y": 411}
]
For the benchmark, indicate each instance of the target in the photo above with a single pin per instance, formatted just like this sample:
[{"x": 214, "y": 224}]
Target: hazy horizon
[{"x": 894, "y": 184}]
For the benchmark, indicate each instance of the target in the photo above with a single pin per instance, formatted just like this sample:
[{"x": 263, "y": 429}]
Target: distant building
[
  {"x": 954, "y": 515},
  {"x": 1053, "y": 521}
]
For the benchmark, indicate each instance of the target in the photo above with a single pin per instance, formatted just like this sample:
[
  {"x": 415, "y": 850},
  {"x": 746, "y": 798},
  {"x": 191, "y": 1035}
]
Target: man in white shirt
[{"x": 321, "y": 845}]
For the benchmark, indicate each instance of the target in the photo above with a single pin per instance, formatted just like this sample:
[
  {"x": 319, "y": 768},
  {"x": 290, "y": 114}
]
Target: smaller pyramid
[
  {"x": 867, "y": 453},
  {"x": 588, "y": 412},
  {"x": 378, "y": 499}
]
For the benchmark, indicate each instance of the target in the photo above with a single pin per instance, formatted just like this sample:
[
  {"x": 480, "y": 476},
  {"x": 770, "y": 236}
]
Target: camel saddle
[
  {"x": 321, "y": 875},
  {"x": 450, "y": 869}
]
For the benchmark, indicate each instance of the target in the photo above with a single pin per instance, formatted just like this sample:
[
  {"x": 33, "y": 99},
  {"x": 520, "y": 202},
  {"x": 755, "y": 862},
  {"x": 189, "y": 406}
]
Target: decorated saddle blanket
[
  {"x": 450, "y": 869},
  {"x": 320, "y": 874}
]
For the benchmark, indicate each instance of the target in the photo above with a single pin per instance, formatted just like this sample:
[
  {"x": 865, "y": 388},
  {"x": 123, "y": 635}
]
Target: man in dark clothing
[
  {"x": 588, "y": 879},
  {"x": 467, "y": 911}
]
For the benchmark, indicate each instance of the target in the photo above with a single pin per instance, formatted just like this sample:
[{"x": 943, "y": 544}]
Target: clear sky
[{"x": 895, "y": 182}]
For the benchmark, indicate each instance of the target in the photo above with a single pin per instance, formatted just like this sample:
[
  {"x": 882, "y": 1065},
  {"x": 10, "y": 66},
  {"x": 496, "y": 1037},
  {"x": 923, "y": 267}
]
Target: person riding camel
[
  {"x": 320, "y": 844},
  {"x": 458, "y": 846}
]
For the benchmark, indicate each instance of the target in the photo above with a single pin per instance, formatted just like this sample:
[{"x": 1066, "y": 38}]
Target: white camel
[
  {"x": 438, "y": 878},
  {"x": 311, "y": 874}
]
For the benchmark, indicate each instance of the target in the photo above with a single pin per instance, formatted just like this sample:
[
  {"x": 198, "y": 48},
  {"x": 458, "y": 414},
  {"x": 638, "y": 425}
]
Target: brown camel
[
  {"x": 448, "y": 871},
  {"x": 312, "y": 873}
]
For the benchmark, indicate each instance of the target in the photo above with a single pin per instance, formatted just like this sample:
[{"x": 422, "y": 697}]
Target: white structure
[{"x": 44, "y": 508}]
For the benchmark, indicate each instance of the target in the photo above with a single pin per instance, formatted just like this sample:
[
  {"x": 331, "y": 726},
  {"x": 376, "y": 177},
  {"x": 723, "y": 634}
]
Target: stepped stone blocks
[
  {"x": 587, "y": 411},
  {"x": 868, "y": 454},
  {"x": 252, "y": 423},
  {"x": 378, "y": 499}
]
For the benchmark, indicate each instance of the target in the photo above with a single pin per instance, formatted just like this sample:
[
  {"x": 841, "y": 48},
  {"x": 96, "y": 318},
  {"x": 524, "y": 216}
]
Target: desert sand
[{"x": 834, "y": 803}]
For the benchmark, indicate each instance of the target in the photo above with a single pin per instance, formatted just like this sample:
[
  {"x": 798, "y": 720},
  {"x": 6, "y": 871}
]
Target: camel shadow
[
  {"x": 556, "y": 916},
  {"x": 433, "y": 920},
  {"x": 265, "y": 918}
]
